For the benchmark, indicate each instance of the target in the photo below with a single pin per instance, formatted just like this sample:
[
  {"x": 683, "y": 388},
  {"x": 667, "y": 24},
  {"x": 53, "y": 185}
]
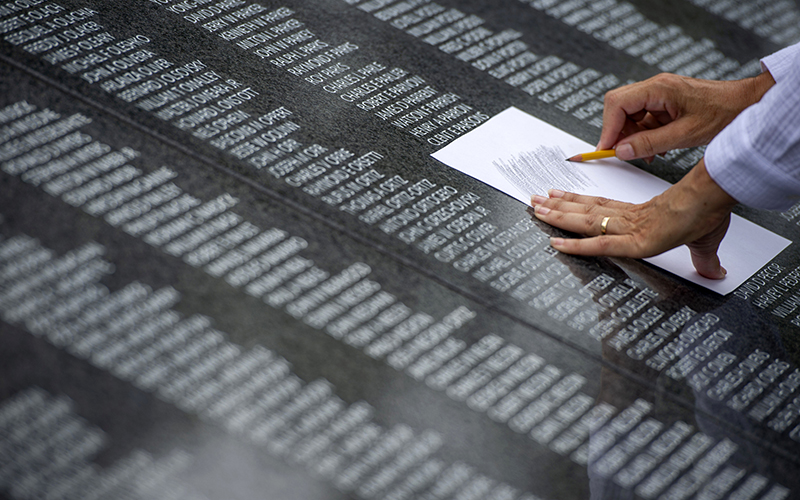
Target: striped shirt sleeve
[{"x": 756, "y": 159}]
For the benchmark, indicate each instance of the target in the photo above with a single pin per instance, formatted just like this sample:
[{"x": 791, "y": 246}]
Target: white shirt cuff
[{"x": 779, "y": 64}]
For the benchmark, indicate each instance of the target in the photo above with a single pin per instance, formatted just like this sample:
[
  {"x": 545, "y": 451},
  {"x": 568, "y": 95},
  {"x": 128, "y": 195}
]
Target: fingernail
[
  {"x": 556, "y": 242},
  {"x": 625, "y": 152},
  {"x": 556, "y": 193},
  {"x": 724, "y": 271},
  {"x": 541, "y": 210},
  {"x": 537, "y": 199}
]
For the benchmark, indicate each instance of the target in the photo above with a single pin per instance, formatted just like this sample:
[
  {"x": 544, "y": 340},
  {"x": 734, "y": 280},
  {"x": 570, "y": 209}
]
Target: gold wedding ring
[{"x": 604, "y": 225}]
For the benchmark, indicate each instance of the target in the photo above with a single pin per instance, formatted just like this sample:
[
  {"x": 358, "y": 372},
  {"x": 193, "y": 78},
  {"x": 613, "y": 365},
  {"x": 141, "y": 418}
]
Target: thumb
[
  {"x": 704, "y": 252},
  {"x": 648, "y": 143}
]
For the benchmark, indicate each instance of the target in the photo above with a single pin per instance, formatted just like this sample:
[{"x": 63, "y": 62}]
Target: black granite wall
[{"x": 229, "y": 267}]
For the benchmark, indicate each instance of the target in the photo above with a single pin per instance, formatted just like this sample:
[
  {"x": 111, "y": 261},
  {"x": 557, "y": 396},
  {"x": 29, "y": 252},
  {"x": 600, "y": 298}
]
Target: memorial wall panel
[{"x": 230, "y": 268}]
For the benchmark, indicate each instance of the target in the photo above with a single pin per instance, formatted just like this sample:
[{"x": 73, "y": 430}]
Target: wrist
[
  {"x": 707, "y": 192},
  {"x": 757, "y": 86}
]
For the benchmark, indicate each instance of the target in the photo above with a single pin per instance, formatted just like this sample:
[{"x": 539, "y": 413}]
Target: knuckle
[
  {"x": 592, "y": 221},
  {"x": 626, "y": 225},
  {"x": 603, "y": 244},
  {"x": 591, "y": 209},
  {"x": 665, "y": 79},
  {"x": 553, "y": 203},
  {"x": 646, "y": 147},
  {"x": 601, "y": 202},
  {"x": 568, "y": 197},
  {"x": 557, "y": 217},
  {"x": 612, "y": 97}
]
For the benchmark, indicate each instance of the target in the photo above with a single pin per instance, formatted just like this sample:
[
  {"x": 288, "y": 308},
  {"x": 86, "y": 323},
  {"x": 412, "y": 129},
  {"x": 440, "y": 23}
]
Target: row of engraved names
[
  {"x": 47, "y": 452},
  {"x": 208, "y": 235},
  {"x": 150, "y": 346},
  {"x": 550, "y": 78},
  {"x": 390, "y": 93},
  {"x": 134, "y": 334}
]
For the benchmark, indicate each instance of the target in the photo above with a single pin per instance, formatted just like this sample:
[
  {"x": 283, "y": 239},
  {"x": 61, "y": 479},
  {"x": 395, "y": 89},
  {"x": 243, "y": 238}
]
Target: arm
[{"x": 756, "y": 160}]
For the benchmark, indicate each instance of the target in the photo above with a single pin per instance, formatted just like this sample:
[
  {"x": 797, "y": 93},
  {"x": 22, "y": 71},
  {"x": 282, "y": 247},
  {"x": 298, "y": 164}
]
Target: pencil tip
[{"x": 576, "y": 158}]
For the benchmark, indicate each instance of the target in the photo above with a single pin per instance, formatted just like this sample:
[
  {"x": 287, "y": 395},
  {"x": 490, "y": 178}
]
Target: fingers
[
  {"x": 630, "y": 103},
  {"x": 630, "y": 230},
  {"x": 556, "y": 196},
  {"x": 588, "y": 224},
  {"x": 643, "y": 116},
  {"x": 615, "y": 114},
  {"x": 625, "y": 245},
  {"x": 582, "y": 214},
  {"x": 654, "y": 120},
  {"x": 695, "y": 211},
  {"x": 652, "y": 142},
  {"x": 609, "y": 245}
]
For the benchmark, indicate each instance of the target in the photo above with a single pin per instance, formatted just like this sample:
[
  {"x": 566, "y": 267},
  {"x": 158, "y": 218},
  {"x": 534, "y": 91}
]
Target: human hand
[
  {"x": 695, "y": 212},
  {"x": 670, "y": 111}
]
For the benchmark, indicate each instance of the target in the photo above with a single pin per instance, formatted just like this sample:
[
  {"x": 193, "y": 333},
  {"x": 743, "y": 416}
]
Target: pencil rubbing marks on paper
[{"x": 534, "y": 172}]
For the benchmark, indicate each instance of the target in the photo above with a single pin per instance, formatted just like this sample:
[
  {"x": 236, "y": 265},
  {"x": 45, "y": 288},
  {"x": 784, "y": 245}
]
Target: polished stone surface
[{"x": 229, "y": 267}]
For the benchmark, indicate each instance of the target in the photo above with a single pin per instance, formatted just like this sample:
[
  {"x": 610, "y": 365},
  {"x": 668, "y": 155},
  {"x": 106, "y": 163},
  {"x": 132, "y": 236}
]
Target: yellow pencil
[{"x": 594, "y": 155}]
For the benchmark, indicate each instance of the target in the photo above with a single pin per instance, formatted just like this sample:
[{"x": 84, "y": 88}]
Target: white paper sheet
[{"x": 521, "y": 155}]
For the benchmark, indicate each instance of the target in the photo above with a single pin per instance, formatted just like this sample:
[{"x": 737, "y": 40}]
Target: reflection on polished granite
[{"x": 229, "y": 267}]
